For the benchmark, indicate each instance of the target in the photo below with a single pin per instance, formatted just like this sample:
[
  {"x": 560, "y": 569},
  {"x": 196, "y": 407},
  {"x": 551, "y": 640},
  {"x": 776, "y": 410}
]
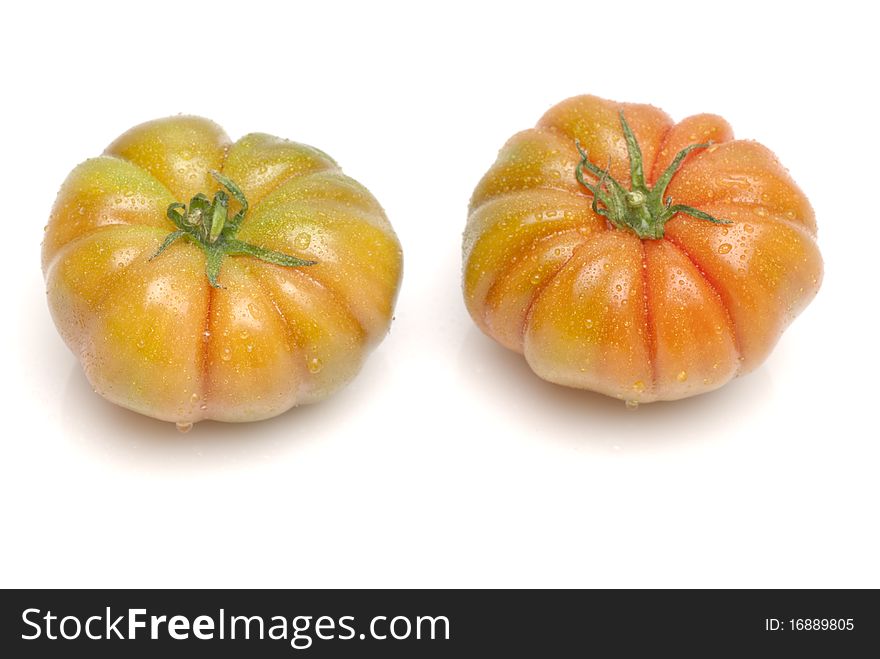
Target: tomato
[
  {"x": 644, "y": 259},
  {"x": 197, "y": 278}
]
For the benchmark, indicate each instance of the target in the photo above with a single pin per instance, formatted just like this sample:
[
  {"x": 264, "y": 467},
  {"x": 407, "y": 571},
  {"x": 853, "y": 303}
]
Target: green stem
[
  {"x": 206, "y": 223},
  {"x": 640, "y": 209},
  {"x": 220, "y": 210}
]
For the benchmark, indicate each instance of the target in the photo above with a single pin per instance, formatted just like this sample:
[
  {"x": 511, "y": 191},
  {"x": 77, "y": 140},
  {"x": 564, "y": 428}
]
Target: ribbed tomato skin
[
  {"x": 594, "y": 306},
  {"x": 155, "y": 337}
]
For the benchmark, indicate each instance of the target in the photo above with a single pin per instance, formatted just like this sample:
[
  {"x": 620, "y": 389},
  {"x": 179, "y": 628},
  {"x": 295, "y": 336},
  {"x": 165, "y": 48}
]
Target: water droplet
[
  {"x": 302, "y": 241},
  {"x": 632, "y": 404},
  {"x": 184, "y": 426},
  {"x": 682, "y": 376},
  {"x": 203, "y": 406},
  {"x": 315, "y": 365},
  {"x": 724, "y": 248},
  {"x": 226, "y": 355},
  {"x": 140, "y": 343},
  {"x": 638, "y": 386},
  {"x": 244, "y": 334},
  {"x": 535, "y": 278},
  {"x": 194, "y": 398},
  {"x": 748, "y": 228},
  {"x": 760, "y": 211},
  {"x": 588, "y": 323}
]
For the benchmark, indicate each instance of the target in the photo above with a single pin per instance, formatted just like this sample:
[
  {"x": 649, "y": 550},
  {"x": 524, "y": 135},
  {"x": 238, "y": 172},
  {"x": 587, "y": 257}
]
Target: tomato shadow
[
  {"x": 578, "y": 417},
  {"x": 115, "y": 434}
]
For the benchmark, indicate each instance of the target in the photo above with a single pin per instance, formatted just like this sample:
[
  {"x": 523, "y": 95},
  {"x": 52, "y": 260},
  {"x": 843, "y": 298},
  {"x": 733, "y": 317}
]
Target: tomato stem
[
  {"x": 640, "y": 209},
  {"x": 206, "y": 223}
]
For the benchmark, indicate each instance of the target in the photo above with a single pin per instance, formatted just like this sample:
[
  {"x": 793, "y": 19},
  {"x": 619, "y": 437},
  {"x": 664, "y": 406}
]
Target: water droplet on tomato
[
  {"x": 315, "y": 365},
  {"x": 638, "y": 386},
  {"x": 588, "y": 323},
  {"x": 724, "y": 248},
  {"x": 682, "y": 376},
  {"x": 535, "y": 278},
  {"x": 632, "y": 404},
  {"x": 302, "y": 241},
  {"x": 184, "y": 426},
  {"x": 226, "y": 355}
]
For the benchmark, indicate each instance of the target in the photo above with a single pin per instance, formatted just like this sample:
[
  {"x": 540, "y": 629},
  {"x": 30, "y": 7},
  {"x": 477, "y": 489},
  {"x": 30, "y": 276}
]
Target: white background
[{"x": 446, "y": 462}]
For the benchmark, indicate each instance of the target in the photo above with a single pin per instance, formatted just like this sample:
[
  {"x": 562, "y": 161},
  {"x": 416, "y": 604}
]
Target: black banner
[{"x": 445, "y": 623}]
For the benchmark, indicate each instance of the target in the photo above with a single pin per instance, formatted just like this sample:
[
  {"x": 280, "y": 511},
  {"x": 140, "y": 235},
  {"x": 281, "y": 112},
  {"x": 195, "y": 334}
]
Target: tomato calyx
[
  {"x": 640, "y": 209},
  {"x": 206, "y": 222}
]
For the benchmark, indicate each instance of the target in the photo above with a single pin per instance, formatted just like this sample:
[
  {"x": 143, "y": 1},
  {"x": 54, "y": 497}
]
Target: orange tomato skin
[
  {"x": 155, "y": 337},
  {"x": 596, "y": 307}
]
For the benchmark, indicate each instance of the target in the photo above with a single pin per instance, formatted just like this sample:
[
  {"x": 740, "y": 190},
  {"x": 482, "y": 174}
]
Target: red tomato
[{"x": 644, "y": 259}]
